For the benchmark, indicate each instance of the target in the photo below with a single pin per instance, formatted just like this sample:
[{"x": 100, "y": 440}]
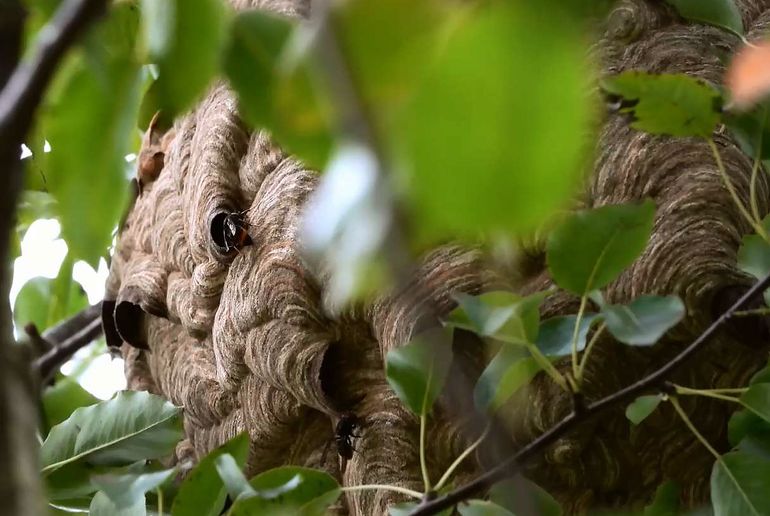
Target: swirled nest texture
[{"x": 242, "y": 341}]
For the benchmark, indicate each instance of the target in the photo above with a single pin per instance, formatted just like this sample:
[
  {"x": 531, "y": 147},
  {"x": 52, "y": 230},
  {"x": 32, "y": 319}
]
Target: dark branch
[
  {"x": 66, "y": 338},
  {"x": 39, "y": 345},
  {"x": 24, "y": 90},
  {"x": 655, "y": 381}
]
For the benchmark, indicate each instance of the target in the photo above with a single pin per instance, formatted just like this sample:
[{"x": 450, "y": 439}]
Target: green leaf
[
  {"x": 591, "y": 248},
  {"x": 722, "y": 13},
  {"x": 644, "y": 321},
  {"x": 203, "y": 493},
  {"x": 89, "y": 128},
  {"x": 68, "y": 482},
  {"x": 754, "y": 258},
  {"x": 45, "y": 302},
  {"x": 521, "y": 496},
  {"x": 757, "y": 399},
  {"x": 751, "y": 130},
  {"x": 273, "y": 93},
  {"x": 406, "y": 508},
  {"x": 232, "y": 476},
  {"x": 555, "y": 338},
  {"x": 672, "y": 104},
  {"x": 130, "y": 427},
  {"x": 761, "y": 376},
  {"x": 288, "y": 490},
  {"x": 62, "y": 398},
  {"x": 638, "y": 410},
  {"x": 482, "y": 508},
  {"x": 417, "y": 370},
  {"x": 127, "y": 490},
  {"x": 185, "y": 38},
  {"x": 511, "y": 369},
  {"x": 101, "y": 505},
  {"x": 503, "y": 315},
  {"x": 748, "y": 430},
  {"x": 739, "y": 485},
  {"x": 506, "y": 136},
  {"x": 666, "y": 501}
]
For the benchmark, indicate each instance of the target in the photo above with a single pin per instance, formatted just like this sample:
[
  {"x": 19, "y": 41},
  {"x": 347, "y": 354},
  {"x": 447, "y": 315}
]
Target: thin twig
[{"x": 651, "y": 382}]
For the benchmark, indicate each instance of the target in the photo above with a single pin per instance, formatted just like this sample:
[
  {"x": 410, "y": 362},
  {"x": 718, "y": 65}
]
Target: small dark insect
[
  {"x": 235, "y": 233},
  {"x": 344, "y": 434}
]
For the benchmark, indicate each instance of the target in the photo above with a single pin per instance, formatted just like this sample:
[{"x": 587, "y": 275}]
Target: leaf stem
[
  {"x": 423, "y": 462},
  {"x": 548, "y": 367},
  {"x": 751, "y": 313},
  {"x": 708, "y": 393},
  {"x": 448, "y": 473},
  {"x": 754, "y": 174},
  {"x": 711, "y": 449},
  {"x": 159, "y": 492},
  {"x": 384, "y": 487},
  {"x": 575, "y": 334},
  {"x": 691, "y": 427},
  {"x": 733, "y": 193},
  {"x": 587, "y": 352}
]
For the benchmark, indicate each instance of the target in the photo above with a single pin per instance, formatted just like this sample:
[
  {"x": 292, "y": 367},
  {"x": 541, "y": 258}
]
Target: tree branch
[
  {"x": 65, "y": 339},
  {"x": 24, "y": 90},
  {"x": 651, "y": 382}
]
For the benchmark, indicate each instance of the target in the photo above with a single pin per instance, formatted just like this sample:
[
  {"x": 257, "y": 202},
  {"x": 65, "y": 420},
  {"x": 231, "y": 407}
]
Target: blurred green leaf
[
  {"x": 185, "y": 39},
  {"x": 45, "y": 301},
  {"x": 511, "y": 369},
  {"x": 230, "y": 472},
  {"x": 481, "y": 508},
  {"x": 757, "y": 399},
  {"x": 288, "y": 490},
  {"x": 555, "y": 338},
  {"x": 345, "y": 225},
  {"x": 126, "y": 490},
  {"x": 101, "y": 505},
  {"x": 416, "y": 371},
  {"x": 130, "y": 427},
  {"x": 672, "y": 104},
  {"x": 388, "y": 53},
  {"x": 503, "y": 315},
  {"x": 489, "y": 141},
  {"x": 203, "y": 493},
  {"x": 521, "y": 496},
  {"x": 89, "y": 128},
  {"x": 32, "y": 303},
  {"x": 666, "y": 501},
  {"x": 591, "y": 248},
  {"x": 638, "y": 410},
  {"x": 274, "y": 94},
  {"x": 722, "y": 13},
  {"x": 754, "y": 258},
  {"x": 62, "y": 398},
  {"x": 643, "y": 321},
  {"x": 739, "y": 485}
]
